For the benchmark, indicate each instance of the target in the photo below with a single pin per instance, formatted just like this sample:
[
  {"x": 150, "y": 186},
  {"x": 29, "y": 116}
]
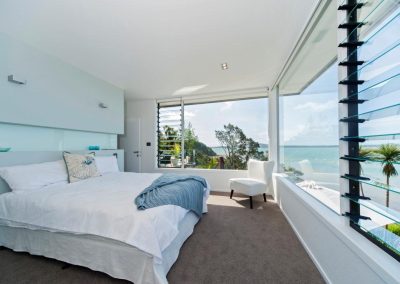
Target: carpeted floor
[{"x": 231, "y": 244}]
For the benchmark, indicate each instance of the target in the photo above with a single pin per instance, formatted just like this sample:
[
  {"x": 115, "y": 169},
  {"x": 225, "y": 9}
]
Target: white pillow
[
  {"x": 34, "y": 176},
  {"x": 106, "y": 164}
]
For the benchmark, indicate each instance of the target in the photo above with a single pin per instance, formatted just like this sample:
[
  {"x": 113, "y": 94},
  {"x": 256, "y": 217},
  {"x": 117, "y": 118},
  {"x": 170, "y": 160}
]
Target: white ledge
[{"x": 382, "y": 264}]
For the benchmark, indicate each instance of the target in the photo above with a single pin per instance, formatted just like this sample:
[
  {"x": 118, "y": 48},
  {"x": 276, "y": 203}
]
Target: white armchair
[{"x": 258, "y": 180}]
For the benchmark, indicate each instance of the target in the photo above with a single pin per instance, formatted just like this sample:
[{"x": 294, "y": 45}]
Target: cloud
[
  {"x": 317, "y": 107},
  {"x": 226, "y": 106},
  {"x": 290, "y": 134},
  {"x": 190, "y": 113}
]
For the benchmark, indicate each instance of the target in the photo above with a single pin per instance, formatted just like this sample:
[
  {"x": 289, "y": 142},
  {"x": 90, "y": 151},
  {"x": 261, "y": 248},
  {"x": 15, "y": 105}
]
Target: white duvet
[{"x": 102, "y": 206}]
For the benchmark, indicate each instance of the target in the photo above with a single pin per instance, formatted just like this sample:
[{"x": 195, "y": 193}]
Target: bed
[{"x": 95, "y": 223}]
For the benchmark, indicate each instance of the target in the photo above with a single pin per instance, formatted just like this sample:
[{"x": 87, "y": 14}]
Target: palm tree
[
  {"x": 388, "y": 154},
  {"x": 364, "y": 153}
]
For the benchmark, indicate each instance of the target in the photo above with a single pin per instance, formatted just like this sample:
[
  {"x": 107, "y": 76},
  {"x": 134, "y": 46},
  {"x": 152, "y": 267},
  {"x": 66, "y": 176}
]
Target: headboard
[{"x": 28, "y": 157}]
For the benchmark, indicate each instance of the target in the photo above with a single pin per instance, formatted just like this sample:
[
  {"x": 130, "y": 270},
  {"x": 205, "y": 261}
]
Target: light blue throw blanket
[{"x": 171, "y": 189}]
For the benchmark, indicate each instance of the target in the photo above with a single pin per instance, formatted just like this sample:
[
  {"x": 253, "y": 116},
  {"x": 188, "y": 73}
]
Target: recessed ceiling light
[{"x": 224, "y": 66}]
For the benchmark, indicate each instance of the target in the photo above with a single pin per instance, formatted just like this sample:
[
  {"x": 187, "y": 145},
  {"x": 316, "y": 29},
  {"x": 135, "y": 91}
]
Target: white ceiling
[{"x": 153, "y": 49}]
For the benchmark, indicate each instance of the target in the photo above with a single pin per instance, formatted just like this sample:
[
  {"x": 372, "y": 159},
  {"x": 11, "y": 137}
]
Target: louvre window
[{"x": 372, "y": 99}]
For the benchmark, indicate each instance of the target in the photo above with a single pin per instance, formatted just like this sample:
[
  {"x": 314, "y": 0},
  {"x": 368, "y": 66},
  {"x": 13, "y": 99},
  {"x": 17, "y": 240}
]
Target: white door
[{"x": 130, "y": 141}]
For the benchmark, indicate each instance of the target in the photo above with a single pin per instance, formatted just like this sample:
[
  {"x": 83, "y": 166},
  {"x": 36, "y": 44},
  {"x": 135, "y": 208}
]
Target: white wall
[
  {"x": 57, "y": 94},
  {"x": 146, "y": 111},
  {"x": 341, "y": 254}
]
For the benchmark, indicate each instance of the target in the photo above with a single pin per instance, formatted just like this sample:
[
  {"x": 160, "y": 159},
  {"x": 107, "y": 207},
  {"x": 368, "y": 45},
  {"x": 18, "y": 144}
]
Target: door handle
[{"x": 136, "y": 152}]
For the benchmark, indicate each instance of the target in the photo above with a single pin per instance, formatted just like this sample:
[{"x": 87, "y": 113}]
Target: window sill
[
  {"x": 200, "y": 170},
  {"x": 376, "y": 259},
  {"x": 322, "y": 193}
]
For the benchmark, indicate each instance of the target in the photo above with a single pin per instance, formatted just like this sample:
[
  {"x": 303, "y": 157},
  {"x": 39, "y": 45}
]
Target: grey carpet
[{"x": 231, "y": 244}]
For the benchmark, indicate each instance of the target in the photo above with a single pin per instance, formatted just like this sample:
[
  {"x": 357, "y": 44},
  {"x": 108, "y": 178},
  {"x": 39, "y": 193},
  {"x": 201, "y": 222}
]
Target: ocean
[
  {"x": 325, "y": 159},
  {"x": 322, "y": 158}
]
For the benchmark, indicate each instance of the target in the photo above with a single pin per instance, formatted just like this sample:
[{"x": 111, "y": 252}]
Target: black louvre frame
[{"x": 352, "y": 83}]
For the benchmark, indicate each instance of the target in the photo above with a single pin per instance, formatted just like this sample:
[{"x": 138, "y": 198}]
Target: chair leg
[
  {"x": 265, "y": 197},
  {"x": 251, "y": 202},
  {"x": 231, "y": 193}
]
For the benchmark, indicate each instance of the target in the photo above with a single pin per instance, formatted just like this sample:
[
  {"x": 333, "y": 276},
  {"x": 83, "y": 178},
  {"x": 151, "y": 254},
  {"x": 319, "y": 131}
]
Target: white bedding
[{"x": 102, "y": 206}]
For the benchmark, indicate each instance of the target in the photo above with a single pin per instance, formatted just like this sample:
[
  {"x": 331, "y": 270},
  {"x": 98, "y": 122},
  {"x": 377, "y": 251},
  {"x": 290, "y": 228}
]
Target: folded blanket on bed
[{"x": 171, "y": 189}]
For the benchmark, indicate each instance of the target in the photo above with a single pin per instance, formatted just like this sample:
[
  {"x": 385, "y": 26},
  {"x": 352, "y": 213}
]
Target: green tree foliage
[
  {"x": 394, "y": 228},
  {"x": 238, "y": 148},
  {"x": 388, "y": 154},
  {"x": 364, "y": 153},
  {"x": 200, "y": 154},
  {"x": 167, "y": 138}
]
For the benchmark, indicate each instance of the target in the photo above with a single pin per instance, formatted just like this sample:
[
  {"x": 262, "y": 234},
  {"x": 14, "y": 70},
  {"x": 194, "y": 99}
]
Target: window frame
[
  {"x": 351, "y": 140},
  {"x": 194, "y": 101}
]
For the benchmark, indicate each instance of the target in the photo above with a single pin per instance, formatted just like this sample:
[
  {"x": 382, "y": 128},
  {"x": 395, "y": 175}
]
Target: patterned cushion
[{"x": 80, "y": 167}]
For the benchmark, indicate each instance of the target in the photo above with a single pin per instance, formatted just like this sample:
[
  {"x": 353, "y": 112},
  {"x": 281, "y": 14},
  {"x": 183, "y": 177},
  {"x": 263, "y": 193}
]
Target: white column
[{"x": 273, "y": 126}]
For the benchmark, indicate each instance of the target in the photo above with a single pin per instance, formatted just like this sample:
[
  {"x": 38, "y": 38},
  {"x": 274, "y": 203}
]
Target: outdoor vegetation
[
  {"x": 237, "y": 147},
  {"x": 388, "y": 155}
]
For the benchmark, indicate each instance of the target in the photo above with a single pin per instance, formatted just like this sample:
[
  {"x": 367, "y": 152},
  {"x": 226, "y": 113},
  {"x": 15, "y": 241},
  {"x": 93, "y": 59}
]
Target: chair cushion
[{"x": 248, "y": 186}]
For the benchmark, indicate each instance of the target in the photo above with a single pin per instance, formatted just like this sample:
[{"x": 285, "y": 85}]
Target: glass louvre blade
[
  {"x": 169, "y": 126},
  {"x": 169, "y": 141},
  {"x": 166, "y": 121},
  {"x": 363, "y": 15},
  {"x": 379, "y": 233},
  {"x": 162, "y": 147},
  {"x": 369, "y": 15},
  {"x": 166, "y": 137},
  {"x": 390, "y": 214},
  {"x": 374, "y": 40},
  {"x": 380, "y": 63},
  {"x": 376, "y": 184},
  {"x": 367, "y": 159},
  {"x": 379, "y": 88},
  {"x": 388, "y": 136},
  {"x": 164, "y": 126},
  {"x": 378, "y": 113}
]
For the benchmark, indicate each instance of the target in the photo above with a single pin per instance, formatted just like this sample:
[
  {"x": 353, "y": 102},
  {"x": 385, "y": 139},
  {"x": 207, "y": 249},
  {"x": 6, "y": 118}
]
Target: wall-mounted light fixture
[
  {"x": 224, "y": 66},
  {"x": 102, "y": 105},
  {"x": 16, "y": 80}
]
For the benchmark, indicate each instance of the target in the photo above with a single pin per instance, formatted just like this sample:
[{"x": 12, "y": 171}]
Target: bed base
[{"x": 114, "y": 258}]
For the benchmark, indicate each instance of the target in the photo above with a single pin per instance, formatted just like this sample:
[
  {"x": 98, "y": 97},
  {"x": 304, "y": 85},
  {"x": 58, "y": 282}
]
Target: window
[
  {"x": 213, "y": 135},
  {"x": 371, "y": 95},
  {"x": 308, "y": 108},
  {"x": 309, "y": 147}
]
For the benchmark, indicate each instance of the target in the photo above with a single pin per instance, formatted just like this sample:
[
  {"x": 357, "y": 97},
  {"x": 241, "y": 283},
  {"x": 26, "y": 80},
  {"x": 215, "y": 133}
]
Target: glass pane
[
  {"x": 378, "y": 113},
  {"x": 377, "y": 229},
  {"x": 318, "y": 51},
  {"x": 369, "y": 15},
  {"x": 169, "y": 137},
  {"x": 392, "y": 216},
  {"x": 309, "y": 139},
  {"x": 384, "y": 36},
  {"x": 379, "y": 88},
  {"x": 384, "y": 64},
  {"x": 370, "y": 159},
  {"x": 224, "y": 135}
]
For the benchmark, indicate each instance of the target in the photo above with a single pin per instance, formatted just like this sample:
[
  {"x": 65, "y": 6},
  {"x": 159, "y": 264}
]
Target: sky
[
  {"x": 311, "y": 117},
  {"x": 250, "y": 115}
]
